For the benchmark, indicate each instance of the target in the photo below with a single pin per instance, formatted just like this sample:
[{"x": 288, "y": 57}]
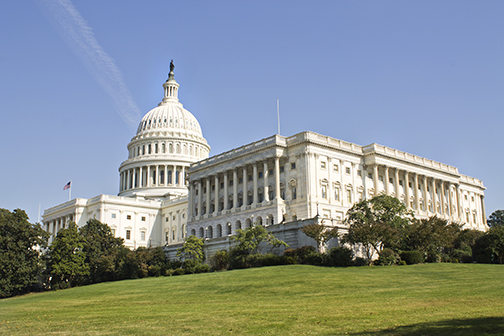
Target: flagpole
[
  {"x": 278, "y": 115},
  {"x": 70, "y": 192}
]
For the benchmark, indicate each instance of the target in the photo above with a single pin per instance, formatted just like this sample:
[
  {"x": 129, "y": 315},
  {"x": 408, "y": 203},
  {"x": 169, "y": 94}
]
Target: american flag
[{"x": 67, "y": 186}]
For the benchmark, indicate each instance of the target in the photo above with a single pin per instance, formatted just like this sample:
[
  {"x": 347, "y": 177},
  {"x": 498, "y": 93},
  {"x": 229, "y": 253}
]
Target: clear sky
[{"x": 425, "y": 77}]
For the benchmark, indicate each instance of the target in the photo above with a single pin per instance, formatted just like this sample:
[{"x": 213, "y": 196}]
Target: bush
[
  {"x": 178, "y": 271},
  {"x": 412, "y": 257},
  {"x": 433, "y": 257},
  {"x": 387, "y": 257},
  {"x": 314, "y": 258},
  {"x": 202, "y": 268},
  {"x": 300, "y": 253},
  {"x": 467, "y": 259},
  {"x": 338, "y": 256},
  {"x": 220, "y": 261},
  {"x": 360, "y": 262}
]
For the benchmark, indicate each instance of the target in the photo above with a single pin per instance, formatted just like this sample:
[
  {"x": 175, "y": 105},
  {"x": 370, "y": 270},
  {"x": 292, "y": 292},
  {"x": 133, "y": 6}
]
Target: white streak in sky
[{"x": 77, "y": 34}]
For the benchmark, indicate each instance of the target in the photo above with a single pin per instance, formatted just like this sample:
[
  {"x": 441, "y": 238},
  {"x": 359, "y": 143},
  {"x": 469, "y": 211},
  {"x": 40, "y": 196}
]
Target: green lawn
[{"x": 444, "y": 299}]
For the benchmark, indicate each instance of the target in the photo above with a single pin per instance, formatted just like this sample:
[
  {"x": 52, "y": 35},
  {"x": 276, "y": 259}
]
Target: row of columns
[
  {"x": 166, "y": 147},
  {"x": 447, "y": 201},
  {"x": 57, "y": 224},
  {"x": 255, "y": 187},
  {"x": 156, "y": 176}
]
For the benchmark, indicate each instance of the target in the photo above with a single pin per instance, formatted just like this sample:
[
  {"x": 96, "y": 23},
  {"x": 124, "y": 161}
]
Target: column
[
  {"x": 128, "y": 179},
  {"x": 254, "y": 177},
  {"x": 200, "y": 192},
  {"x": 245, "y": 191},
  {"x": 208, "y": 195},
  {"x": 149, "y": 182},
  {"x": 396, "y": 184},
  {"x": 450, "y": 200},
  {"x": 140, "y": 178},
  {"x": 386, "y": 181},
  {"x": 407, "y": 193},
  {"x": 426, "y": 201},
  {"x": 457, "y": 191},
  {"x": 157, "y": 176},
  {"x": 417, "y": 196},
  {"x": 483, "y": 212},
  {"x": 190, "y": 201},
  {"x": 133, "y": 182},
  {"x": 277, "y": 178},
  {"x": 235, "y": 188},
  {"x": 182, "y": 177},
  {"x": 265, "y": 178},
  {"x": 375, "y": 179},
  {"x": 216, "y": 196},
  {"x": 443, "y": 201},
  {"x": 434, "y": 196},
  {"x": 166, "y": 175},
  {"x": 225, "y": 191}
]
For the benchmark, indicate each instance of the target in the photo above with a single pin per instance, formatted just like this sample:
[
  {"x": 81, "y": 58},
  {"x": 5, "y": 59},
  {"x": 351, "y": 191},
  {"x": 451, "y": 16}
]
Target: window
[
  {"x": 293, "y": 165},
  {"x": 240, "y": 180},
  {"x": 270, "y": 172},
  {"x": 142, "y": 235},
  {"x": 474, "y": 217},
  {"x": 409, "y": 184},
  {"x": 166, "y": 219},
  {"x": 472, "y": 198},
  {"x": 323, "y": 165},
  {"x": 113, "y": 232},
  {"x": 465, "y": 197},
  {"x": 336, "y": 194},
  {"x": 231, "y": 183},
  {"x": 294, "y": 192},
  {"x": 390, "y": 180},
  {"x": 143, "y": 219},
  {"x": 347, "y": 170},
  {"x": 336, "y": 168},
  {"x": 222, "y": 185},
  {"x": 128, "y": 216},
  {"x": 369, "y": 175},
  {"x": 380, "y": 177},
  {"x": 359, "y": 173},
  {"x": 250, "y": 177},
  {"x": 128, "y": 234},
  {"x": 349, "y": 196},
  {"x": 113, "y": 215},
  {"x": 260, "y": 174},
  {"x": 213, "y": 187},
  {"x": 324, "y": 191},
  {"x": 400, "y": 183}
]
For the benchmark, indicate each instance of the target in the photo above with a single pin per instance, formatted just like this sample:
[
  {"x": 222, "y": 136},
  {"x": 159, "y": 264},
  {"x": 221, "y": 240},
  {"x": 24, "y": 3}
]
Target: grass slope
[{"x": 454, "y": 299}]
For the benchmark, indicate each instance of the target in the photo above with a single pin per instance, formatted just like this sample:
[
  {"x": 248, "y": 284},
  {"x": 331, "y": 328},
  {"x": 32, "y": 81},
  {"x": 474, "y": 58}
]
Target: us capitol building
[{"x": 170, "y": 188}]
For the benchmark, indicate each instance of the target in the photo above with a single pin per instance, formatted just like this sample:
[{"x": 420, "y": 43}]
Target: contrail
[{"x": 77, "y": 34}]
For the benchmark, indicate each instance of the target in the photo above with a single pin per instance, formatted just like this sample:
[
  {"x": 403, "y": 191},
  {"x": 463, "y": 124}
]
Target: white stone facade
[{"x": 170, "y": 188}]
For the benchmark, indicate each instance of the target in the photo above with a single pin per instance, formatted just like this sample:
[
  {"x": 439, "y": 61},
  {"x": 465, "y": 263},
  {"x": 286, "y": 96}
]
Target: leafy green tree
[
  {"x": 249, "y": 240},
  {"x": 66, "y": 262},
  {"x": 320, "y": 233},
  {"x": 192, "y": 249},
  {"x": 496, "y": 218},
  {"x": 377, "y": 223},
  {"x": 495, "y": 239},
  {"x": 20, "y": 257},
  {"x": 433, "y": 235},
  {"x": 101, "y": 249}
]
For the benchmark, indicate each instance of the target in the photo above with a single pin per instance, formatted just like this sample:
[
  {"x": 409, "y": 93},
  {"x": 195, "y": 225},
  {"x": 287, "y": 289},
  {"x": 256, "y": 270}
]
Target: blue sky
[{"x": 423, "y": 77}]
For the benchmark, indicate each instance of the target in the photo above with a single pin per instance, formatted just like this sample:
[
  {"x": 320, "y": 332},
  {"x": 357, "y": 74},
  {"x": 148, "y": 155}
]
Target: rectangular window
[
  {"x": 128, "y": 234},
  {"x": 113, "y": 232},
  {"x": 270, "y": 172},
  {"x": 369, "y": 175},
  {"x": 400, "y": 183},
  {"x": 336, "y": 194},
  {"x": 231, "y": 183},
  {"x": 143, "y": 219},
  {"x": 213, "y": 187},
  {"x": 474, "y": 217},
  {"x": 142, "y": 235},
  {"x": 380, "y": 177},
  {"x": 113, "y": 215},
  {"x": 359, "y": 173},
  {"x": 390, "y": 180},
  {"x": 323, "y": 165},
  {"x": 336, "y": 168},
  {"x": 409, "y": 184},
  {"x": 260, "y": 174},
  {"x": 250, "y": 177},
  {"x": 472, "y": 198},
  {"x": 293, "y": 165},
  {"x": 240, "y": 180},
  {"x": 349, "y": 196},
  {"x": 222, "y": 185},
  {"x": 166, "y": 219},
  {"x": 347, "y": 170},
  {"x": 324, "y": 191},
  {"x": 465, "y": 197},
  {"x": 128, "y": 216}
]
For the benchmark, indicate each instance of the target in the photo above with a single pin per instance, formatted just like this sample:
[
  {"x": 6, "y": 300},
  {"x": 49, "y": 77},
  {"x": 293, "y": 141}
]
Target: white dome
[{"x": 167, "y": 141}]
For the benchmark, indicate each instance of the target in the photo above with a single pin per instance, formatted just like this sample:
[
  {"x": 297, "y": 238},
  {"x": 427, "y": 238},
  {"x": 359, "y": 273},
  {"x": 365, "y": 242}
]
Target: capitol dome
[{"x": 167, "y": 141}]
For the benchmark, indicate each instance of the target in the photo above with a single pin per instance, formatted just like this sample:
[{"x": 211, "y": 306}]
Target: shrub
[
  {"x": 220, "y": 261},
  {"x": 338, "y": 256},
  {"x": 387, "y": 257},
  {"x": 360, "y": 262},
  {"x": 202, "y": 268},
  {"x": 178, "y": 271},
  {"x": 289, "y": 260},
  {"x": 300, "y": 253},
  {"x": 412, "y": 257},
  {"x": 433, "y": 257},
  {"x": 314, "y": 258},
  {"x": 466, "y": 259}
]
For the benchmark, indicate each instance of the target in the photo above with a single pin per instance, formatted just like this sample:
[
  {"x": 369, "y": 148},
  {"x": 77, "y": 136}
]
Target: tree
[
  {"x": 320, "y": 233},
  {"x": 101, "y": 249},
  {"x": 432, "y": 235},
  {"x": 495, "y": 239},
  {"x": 249, "y": 240},
  {"x": 496, "y": 218},
  {"x": 192, "y": 249},
  {"x": 377, "y": 223},
  {"x": 20, "y": 258},
  {"x": 66, "y": 262}
]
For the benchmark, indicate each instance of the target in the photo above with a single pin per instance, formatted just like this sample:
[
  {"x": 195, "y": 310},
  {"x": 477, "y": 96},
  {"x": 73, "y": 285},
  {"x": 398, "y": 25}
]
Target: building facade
[{"x": 169, "y": 188}]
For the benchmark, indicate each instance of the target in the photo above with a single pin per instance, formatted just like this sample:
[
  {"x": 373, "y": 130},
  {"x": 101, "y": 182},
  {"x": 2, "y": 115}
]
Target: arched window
[
  {"x": 150, "y": 148},
  {"x": 228, "y": 228},
  {"x": 210, "y": 232},
  {"x": 202, "y": 233},
  {"x": 163, "y": 148},
  {"x": 169, "y": 177},
  {"x": 161, "y": 177},
  {"x": 178, "y": 148},
  {"x": 219, "y": 230},
  {"x": 170, "y": 148},
  {"x": 238, "y": 225},
  {"x": 193, "y": 232},
  {"x": 156, "y": 148},
  {"x": 177, "y": 177}
]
